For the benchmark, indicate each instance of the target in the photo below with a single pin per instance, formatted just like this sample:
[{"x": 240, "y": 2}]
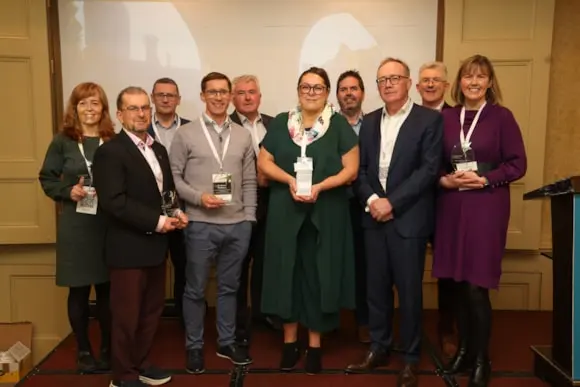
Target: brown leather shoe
[
  {"x": 407, "y": 377},
  {"x": 363, "y": 335},
  {"x": 370, "y": 361},
  {"x": 448, "y": 346}
]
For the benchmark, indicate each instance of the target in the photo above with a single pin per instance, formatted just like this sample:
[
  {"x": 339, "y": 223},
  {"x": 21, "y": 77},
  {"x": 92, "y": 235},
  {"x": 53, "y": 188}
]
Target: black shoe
[
  {"x": 154, "y": 376},
  {"x": 104, "y": 363},
  {"x": 86, "y": 362},
  {"x": 195, "y": 362},
  {"x": 313, "y": 361},
  {"x": 127, "y": 383},
  {"x": 237, "y": 355},
  {"x": 290, "y": 356},
  {"x": 481, "y": 373},
  {"x": 462, "y": 362},
  {"x": 242, "y": 338}
]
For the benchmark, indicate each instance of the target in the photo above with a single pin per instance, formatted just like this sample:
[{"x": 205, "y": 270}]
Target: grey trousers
[{"x": 227, "y": 245}]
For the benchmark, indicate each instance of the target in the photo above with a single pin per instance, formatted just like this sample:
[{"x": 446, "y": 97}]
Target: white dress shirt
[
  {"x": 256, "y": 128},
  {"x": 390, "y": 127}
]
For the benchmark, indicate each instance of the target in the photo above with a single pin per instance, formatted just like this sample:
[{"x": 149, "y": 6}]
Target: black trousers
[
  {"x": 255, "y": 259},
  {"x": 395, "y": 261},
  {"x": 447, "y": 292},
  {"x": 178, "y": 259},
  {"x": 360, "y": 261}
]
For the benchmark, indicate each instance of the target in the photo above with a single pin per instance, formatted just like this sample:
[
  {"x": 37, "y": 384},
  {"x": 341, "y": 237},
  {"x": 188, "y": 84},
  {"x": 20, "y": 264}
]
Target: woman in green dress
[
  {"x": 309, "y": 257},
  {"x": 65, "y": 177}
]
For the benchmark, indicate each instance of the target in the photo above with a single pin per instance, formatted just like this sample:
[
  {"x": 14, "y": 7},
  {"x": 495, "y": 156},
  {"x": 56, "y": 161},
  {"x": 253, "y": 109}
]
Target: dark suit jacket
[
  {"x": 152, "y": 132},
  {"x": 414, "y": 168},
  {"x": 263, "y": 192},
  {"x": 128, "y": 195}
]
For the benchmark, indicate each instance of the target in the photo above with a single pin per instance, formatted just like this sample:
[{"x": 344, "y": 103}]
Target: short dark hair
[
  {"x": 317, "y": 71},
  {"x": 165, "y": 81},
  {"x": 129, "y": 90},
  {"x": 351, "y": 73},
  {"x": 215, "y": 76}
]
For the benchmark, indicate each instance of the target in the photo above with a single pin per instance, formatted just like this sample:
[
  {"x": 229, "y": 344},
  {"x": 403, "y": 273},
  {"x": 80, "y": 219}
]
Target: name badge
[
  {"x": 88, "y": 205},
  {"x": 466, "y": 166},
  {"x": 303, "y": 168},
  {"x": 222, "y": 186}
]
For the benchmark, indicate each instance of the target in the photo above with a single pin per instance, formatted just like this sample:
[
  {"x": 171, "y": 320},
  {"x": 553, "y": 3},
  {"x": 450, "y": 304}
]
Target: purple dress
[{"x": 471, "y": 226}]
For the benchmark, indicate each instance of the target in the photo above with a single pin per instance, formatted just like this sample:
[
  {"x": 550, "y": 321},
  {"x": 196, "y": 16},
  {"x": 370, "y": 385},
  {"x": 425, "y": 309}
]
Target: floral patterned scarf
[{"x": 318, "y": 129}]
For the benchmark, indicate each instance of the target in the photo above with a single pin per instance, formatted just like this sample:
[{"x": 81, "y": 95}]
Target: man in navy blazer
[{"x": 400, "y": 157}]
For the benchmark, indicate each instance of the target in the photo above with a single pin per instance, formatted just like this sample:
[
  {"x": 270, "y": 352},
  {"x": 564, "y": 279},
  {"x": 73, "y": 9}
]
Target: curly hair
[{"x": 72, "y": 127}]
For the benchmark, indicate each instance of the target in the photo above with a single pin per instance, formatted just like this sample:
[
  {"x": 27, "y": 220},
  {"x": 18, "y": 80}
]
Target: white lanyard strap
[
  {"x": 87, "y": 162},
  {"x": 156, "y": 130},
  {"x": 212, "y": 146},
  {"x": 303, "y": 144},
  {"x": 463, "y": 138}
]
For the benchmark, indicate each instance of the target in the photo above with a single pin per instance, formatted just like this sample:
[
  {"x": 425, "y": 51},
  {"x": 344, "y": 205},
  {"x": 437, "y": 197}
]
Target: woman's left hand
[{"x": 314, "y": 191}]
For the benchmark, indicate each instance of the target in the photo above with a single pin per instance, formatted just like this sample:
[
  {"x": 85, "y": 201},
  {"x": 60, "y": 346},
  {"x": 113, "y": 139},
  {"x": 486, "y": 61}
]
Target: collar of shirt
[
  {"x": 244, "y": 119},
  {"x": 137, "y": 141},
  {"x": 218, "y": 128},
  {"x": 174, "y": 123},
  {"x": 401, "y": 111}
]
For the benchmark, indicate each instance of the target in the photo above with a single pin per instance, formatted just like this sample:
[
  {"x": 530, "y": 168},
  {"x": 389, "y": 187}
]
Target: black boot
[
  {"x": 462, "y": 361},
  {"x": 290, "y": 356},
  {"x": 481, "y": 373},
  {"x": 86, "y": 362}
]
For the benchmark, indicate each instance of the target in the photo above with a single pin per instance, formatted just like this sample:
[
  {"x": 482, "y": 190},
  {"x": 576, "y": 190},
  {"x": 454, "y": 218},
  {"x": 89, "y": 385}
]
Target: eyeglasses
[
  {"x": 394, "y": 79},
  {"x": 165, "y": 95},
  {"x": 317, "y": 89},
  {"x": 137, "y": 109},
  {"x": 426, "y": 81},
  {"x": 215, "y": 93}
]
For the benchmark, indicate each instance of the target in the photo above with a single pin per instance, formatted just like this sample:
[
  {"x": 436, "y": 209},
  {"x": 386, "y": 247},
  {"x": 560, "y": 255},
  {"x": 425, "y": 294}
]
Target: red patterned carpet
[{"x": 513, "y": 334}]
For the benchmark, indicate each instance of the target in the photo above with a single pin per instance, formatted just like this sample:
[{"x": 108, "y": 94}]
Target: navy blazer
[
  {"x": 130, "y": 199},
  {"x": 414, "y": 169}
]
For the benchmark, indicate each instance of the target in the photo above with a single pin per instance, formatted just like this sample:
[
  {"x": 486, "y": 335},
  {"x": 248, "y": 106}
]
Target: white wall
[{"x": 121, "y": 43}]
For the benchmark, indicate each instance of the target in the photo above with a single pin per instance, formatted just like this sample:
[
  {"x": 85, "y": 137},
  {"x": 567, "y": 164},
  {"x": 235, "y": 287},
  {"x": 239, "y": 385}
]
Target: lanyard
[
  {"x": 212, "y": 146},
  {"x": 156, "y": 131},
  {"x": 465, "y": 144},
  {"x": 303, "y": 144},
  {"x": 87, "y": 162}
]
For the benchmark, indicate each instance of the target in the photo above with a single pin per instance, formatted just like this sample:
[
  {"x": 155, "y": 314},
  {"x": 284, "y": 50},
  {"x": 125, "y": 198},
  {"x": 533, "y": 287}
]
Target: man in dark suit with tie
[
  {"x": 164, "y": 123},
  {"x": 131, "y": 174},
  {"x": 246, "y": 100},
  {"x": 400, "y": 157},
  {"x": 431, "y": 86}
]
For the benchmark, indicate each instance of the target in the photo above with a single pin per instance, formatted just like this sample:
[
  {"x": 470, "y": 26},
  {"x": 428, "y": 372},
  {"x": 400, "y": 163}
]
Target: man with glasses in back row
[
  {"x": 164, "y": 124},
  {"x": 432, "y": 86},
  {"x": 212, "y": 160}
]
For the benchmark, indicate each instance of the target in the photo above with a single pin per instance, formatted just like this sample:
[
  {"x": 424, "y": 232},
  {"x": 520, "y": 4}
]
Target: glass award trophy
[
  {"x": 303, "y": 168},
  {"x": 170, "y": 204},
  {"x": 463, "y": 158}
]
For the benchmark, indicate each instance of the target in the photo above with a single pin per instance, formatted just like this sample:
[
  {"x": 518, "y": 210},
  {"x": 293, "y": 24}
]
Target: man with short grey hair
[
  {"x": 212, "y": 160},
  {"x": 246, "y": 99}
]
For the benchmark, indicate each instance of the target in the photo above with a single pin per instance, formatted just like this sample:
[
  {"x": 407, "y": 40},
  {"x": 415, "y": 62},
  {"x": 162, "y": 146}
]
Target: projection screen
[{"x": 122, "y": 43}]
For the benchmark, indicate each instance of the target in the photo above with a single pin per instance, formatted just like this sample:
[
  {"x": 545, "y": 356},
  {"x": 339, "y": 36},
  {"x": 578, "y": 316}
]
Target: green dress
[
  {"x": 80, "y": 237},
  {"x": 309, "y": 256}
]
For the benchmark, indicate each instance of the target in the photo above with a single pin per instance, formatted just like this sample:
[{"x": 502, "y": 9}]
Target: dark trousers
[
  {"x": 137, "y": 300},
  {"x": 395, "y": 261},
  {"x": 362, "y": 309},
  {"x": 255, "y": 259},
  {"x": 446, "y": 295},
  {"x": 178, "y": 259}
]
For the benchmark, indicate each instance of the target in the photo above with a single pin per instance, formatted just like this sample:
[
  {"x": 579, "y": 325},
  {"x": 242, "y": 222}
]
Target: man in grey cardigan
[{"x": 212, "y": 160}]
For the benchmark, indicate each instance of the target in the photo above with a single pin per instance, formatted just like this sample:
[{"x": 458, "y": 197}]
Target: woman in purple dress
[{"x": 485, "y": 152}]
